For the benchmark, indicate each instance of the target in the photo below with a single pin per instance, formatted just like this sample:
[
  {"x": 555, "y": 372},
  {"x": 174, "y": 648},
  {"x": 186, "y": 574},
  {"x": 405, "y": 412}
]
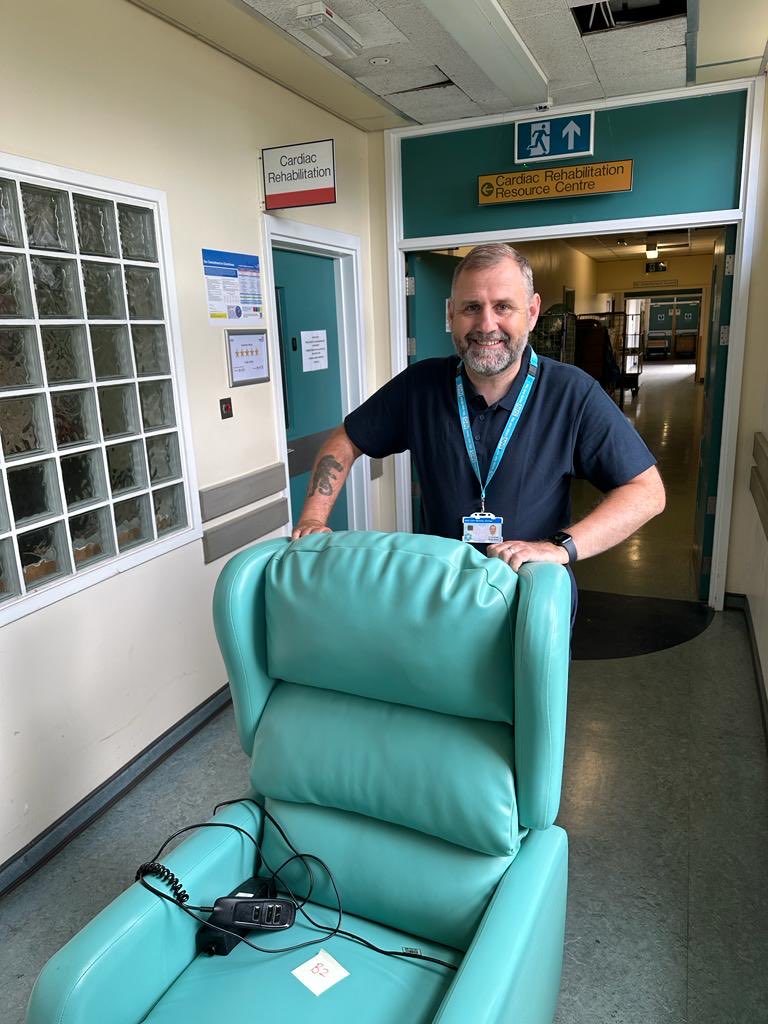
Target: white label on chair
[{"x": 320, "y": 973}]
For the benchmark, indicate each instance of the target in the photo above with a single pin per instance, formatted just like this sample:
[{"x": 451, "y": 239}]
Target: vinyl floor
[
  {"x": 658, "y": 561},
  {"x": 664, "y": 798},
  {"x": 664, "y": 802}
]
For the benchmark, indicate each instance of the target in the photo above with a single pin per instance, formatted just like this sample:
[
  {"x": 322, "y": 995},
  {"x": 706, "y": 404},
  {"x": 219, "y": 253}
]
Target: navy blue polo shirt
[{"x": 569, "y": 428}]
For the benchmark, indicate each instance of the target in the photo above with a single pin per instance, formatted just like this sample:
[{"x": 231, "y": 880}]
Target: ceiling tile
[
  {"x": 558, "y": 48},
  {"x": 439, "y": 104},
  {"x": 441, "y": 49},
  {"x": 402, "y": 56},
  {"x": 629, "y": 82},
  {"x": 375, "y": 29},
  {"x": 625, "y": 43},
  {"x": 671, "y": 59},
  {"x": 583, "y": 93},
  {"x": 519, "y": 10},
  {"x": 385, "y": 81}
]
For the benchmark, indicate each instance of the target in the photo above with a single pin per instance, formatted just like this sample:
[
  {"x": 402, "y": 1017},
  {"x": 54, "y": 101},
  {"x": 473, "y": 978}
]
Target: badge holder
[{"x": 482, "y": 528}]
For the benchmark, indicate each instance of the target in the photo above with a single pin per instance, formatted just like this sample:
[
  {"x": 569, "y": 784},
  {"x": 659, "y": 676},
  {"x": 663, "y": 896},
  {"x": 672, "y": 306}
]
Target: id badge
[{"x": 482, "y": 528}]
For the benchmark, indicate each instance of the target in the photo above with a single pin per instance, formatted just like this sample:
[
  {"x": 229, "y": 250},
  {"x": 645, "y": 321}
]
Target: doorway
[
  {"x": 308, "y": 339},
  {"x": 318, "y": 351},
  {"x": 676, "y": 403}
]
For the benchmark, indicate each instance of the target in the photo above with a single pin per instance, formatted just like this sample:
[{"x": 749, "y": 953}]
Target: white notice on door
[{"x": 314, "y": 350}]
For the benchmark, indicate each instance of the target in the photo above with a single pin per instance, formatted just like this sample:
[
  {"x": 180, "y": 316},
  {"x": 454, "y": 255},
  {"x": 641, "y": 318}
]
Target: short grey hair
[{"x": 490, "y": 255}]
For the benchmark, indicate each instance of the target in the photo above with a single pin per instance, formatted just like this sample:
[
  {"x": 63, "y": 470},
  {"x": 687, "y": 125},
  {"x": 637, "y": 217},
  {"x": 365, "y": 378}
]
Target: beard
[{"x": 490, "y": 361}]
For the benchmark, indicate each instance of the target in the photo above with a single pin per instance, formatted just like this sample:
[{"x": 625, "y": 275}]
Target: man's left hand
[{"x": 515, "y": 552}]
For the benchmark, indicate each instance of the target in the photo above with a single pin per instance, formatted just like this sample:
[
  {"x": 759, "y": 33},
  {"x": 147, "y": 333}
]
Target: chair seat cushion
[{"x": 252, "y": 986}]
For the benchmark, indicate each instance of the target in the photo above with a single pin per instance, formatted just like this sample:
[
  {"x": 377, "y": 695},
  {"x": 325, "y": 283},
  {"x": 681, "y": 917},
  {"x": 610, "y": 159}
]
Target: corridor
[{"x": 658, "y": 560}]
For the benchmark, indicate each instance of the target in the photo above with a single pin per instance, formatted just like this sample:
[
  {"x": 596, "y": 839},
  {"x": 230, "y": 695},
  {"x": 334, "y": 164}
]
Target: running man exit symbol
[
  {"x": 554, "y": 137},
  {"x": 539, "y": 144}
]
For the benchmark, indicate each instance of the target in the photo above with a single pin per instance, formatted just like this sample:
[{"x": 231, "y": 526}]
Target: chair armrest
[
  {"x": 119, "y": 965},
  {"x": 511, "y": 971}
]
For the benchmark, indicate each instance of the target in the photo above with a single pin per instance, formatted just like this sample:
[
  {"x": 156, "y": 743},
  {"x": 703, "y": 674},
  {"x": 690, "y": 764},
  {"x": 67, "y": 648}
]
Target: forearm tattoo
[{"x": 324, "y": 473}]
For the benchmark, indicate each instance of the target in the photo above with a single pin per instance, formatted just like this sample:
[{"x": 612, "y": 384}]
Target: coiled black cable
[{"x": 154, "y": 867}]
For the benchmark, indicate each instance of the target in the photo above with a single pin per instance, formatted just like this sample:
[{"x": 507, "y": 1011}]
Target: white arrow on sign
[{"x": 571, "y": 130}]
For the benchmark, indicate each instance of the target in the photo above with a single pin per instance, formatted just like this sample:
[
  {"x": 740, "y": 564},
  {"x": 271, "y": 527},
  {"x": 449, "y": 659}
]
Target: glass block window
[{"x": 91, "y": 459}]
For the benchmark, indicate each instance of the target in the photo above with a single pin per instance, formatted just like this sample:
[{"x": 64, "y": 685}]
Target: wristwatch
[{"x": 565, "y": 540}]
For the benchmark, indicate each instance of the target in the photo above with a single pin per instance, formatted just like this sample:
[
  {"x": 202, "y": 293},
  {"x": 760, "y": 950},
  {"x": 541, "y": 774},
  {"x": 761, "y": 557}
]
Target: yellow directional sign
[{"x": 555, "y": 182}]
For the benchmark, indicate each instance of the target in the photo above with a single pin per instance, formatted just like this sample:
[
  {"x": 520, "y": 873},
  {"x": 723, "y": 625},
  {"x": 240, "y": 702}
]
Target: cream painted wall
[
  {"x": 748, "y": 548},
  {"x": 630, "y": 275},
  {"x": 556, "y": 265},
  {"x": 89, "y": 682}
]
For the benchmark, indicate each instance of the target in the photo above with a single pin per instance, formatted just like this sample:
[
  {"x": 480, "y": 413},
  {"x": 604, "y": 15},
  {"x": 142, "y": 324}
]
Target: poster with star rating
[{"x": 248, "y": 357}]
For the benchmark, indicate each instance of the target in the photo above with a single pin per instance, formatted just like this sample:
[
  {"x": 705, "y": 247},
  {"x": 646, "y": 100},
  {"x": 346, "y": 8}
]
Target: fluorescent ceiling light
[
  {"x": 651, "y": 250},
  {"x": 319, "y": 21},
  {"x": 485, "y": 33}
]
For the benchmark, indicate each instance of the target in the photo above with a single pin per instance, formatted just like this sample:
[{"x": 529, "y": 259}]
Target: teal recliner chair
[{"x": 402, "y": 699}]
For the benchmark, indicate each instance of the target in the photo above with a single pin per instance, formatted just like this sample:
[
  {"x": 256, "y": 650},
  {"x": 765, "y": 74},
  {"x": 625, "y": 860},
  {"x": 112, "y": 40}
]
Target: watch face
[{"x": 560, "y": 538}]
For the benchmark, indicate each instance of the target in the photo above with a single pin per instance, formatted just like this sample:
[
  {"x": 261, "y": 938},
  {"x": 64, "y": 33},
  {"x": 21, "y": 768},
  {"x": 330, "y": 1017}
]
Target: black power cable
[{"x": 181, "y": 897}]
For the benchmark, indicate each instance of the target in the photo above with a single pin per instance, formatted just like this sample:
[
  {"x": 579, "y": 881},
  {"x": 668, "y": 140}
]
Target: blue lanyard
[{"x": 509, "y": 429}]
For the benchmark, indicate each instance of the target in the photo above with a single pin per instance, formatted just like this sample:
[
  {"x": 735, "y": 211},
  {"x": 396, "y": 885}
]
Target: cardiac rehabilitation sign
[
  {"x": 301, "y": 175},
  {"x": 555, "y": 182}
]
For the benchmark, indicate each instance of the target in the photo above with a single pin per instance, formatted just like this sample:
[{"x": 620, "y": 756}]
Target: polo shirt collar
[{"x": 508, "y": 400}]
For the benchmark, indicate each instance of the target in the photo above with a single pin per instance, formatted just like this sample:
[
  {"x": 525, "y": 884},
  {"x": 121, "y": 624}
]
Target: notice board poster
[
  {"x": 233, "y": 288},
  {"x": 314, "y": 351}
]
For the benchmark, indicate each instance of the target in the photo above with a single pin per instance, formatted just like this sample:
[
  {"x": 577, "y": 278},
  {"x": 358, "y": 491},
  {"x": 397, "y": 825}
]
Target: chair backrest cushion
[{"x": 392, "y": 617}]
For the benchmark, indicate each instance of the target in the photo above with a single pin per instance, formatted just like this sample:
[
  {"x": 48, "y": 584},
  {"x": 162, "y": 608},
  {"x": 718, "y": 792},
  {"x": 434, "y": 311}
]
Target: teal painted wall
[{"x": 687, "y": 154}]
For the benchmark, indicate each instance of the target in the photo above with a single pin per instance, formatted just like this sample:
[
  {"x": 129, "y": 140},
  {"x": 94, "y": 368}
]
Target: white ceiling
[
  {"x": 686, "y": 242},
  {"x": 430, "y": 76}
]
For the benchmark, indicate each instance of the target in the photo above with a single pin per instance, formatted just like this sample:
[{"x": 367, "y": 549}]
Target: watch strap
[{"x": 565, "y": 540}]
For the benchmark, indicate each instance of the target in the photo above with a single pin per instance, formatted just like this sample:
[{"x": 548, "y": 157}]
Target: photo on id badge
[{"x": 482, "y": 528}]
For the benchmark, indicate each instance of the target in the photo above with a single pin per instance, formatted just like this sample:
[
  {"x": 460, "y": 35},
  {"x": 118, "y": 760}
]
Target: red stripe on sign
[{"x": 309, "y": 197}]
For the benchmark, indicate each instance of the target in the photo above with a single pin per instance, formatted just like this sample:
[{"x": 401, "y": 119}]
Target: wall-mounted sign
[
  {"x": 247, "y": 357},
  {"x": 552, "y": 138},
  {"x": 301, "y": 175},
  {"x": 314, "y": 351},
  {"x": 233, "y": 285},
  {"x": 555, "y": 182}
]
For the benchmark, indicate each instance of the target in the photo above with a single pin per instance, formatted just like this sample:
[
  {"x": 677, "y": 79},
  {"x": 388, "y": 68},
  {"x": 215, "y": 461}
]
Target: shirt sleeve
[
  {"x": 609, "y": 451},
  {"x": 379, "y": 427}
]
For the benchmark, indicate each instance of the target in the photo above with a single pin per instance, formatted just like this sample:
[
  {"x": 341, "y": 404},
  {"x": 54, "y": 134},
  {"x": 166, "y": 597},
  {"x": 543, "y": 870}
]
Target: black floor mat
[{"x": 619, "y": 626}]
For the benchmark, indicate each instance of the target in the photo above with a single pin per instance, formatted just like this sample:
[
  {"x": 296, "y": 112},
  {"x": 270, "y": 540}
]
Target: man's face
[{"x": 490, "y": 316}]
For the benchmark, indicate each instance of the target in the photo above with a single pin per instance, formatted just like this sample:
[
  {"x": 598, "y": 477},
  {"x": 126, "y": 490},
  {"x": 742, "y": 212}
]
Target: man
[{"x": 499, "y": 433}]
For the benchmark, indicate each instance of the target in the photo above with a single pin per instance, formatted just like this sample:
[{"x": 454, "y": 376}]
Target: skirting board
[
  {"x": 57, "y": 835},
  {"x": 740, "y": 602}
]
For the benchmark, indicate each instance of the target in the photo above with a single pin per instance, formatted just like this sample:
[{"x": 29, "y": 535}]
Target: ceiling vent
[{"x": 611, "y": 14}]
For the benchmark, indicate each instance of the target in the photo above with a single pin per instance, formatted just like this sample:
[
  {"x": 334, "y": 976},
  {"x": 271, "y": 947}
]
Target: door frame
[
  {"x": 345, "y": 251},
  {"x": 743, "y": 217}
]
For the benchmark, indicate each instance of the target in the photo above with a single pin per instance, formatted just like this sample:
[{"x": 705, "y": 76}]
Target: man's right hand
[{"x": 307, "y": 526}]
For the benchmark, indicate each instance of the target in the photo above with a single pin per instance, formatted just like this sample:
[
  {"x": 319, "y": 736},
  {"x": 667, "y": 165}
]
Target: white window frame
[{"x": 53, "y": 176}]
